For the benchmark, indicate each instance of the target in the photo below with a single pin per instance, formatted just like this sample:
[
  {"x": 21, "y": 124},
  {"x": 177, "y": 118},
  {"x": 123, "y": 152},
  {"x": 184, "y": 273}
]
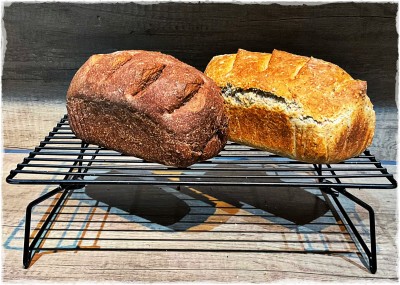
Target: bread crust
[
  {"x": 296, "y": 106},
  {"x": 149, "y": 105}
]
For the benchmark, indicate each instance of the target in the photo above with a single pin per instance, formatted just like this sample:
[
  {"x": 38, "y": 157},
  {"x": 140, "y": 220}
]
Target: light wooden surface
[{"x": 222, "y": 224}]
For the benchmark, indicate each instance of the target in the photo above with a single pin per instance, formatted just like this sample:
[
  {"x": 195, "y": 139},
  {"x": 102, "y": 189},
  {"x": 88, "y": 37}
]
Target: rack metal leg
[
  {"x": 371, "y": 250},
  {"x": 334, "y": 193},
  {"x": 29, "y": 247}
]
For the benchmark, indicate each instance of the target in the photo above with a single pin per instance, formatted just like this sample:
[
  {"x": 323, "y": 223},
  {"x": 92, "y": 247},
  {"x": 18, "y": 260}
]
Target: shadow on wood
[{"x": 166, "y": 206}]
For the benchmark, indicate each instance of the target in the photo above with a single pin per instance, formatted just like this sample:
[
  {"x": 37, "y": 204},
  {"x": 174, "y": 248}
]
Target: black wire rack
[{"x": 62, "y": 159}]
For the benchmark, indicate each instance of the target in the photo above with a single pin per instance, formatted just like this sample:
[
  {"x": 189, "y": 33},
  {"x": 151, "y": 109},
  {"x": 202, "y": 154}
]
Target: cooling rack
[{"x": 62, "y": 159}]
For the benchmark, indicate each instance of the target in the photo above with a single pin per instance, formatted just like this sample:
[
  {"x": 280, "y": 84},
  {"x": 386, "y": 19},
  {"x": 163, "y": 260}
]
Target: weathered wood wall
[{"x": 48, "y": 42}]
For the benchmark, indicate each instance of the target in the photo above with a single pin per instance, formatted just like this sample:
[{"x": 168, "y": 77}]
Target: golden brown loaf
[
  {"x": 300, "y": 107},
  {"x": 149, "y": 105}
]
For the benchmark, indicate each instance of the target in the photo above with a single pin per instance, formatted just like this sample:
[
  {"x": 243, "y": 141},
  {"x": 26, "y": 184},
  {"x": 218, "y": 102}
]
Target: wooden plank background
[{"x": 48, "y": 42}]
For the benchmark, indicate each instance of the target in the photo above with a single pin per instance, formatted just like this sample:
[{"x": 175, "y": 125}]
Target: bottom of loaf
[{"x": 120, "y": 128}]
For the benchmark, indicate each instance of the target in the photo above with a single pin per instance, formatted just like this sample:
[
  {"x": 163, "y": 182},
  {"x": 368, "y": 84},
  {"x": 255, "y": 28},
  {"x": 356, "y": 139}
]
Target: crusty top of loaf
[
  {"x": 167, "y": 91},
  {"x": 322, "y": 90}
]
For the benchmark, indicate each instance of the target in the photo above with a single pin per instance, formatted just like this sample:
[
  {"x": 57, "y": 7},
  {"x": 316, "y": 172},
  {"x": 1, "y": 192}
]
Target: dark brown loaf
[{"x": 149, "y": 105}]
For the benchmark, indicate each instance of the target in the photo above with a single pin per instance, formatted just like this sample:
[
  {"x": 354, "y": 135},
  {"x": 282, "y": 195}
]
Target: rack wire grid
[{"x": 64, "y": 160}]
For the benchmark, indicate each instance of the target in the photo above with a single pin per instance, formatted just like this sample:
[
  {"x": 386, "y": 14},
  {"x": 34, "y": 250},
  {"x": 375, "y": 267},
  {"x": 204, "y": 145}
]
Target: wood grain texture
[
  {"x": 50, "y": 41},
  {"x": 189, "y": 266}
]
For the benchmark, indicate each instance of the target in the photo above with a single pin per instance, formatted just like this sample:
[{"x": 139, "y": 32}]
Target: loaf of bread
[
  {"x": 149, "y": 105},
  {"x": 295, "y": 106}
]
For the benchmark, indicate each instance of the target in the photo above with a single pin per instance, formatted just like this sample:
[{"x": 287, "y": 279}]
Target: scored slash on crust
[{"x": 149, "y": 105}]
